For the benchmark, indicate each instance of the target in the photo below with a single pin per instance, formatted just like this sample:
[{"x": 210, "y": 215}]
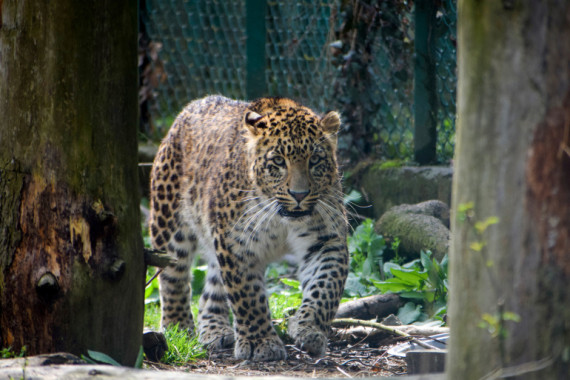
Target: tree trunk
[
  {"x": 71, "y": 263},
  {"x": 510, "y": 255}
]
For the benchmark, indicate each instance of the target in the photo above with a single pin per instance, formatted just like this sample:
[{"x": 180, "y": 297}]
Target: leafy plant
[
  {"x": 366, "y": 248},
  {"x": 8, "y": 353},
  {"x": 286, "y": 298},
  {"x": 423, "y": 280}
]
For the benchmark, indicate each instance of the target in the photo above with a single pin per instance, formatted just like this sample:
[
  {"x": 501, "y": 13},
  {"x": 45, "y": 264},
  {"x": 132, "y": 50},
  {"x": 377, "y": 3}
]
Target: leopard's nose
[{"x": 299, "y": 195}]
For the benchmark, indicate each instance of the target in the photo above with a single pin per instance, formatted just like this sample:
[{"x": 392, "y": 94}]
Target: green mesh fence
[
  {"x": 446, "y": 76},
  {"x": 201, "y": 50}
]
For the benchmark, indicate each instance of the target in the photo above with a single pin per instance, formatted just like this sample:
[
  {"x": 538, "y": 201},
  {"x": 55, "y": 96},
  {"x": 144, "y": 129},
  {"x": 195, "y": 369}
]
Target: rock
[
  {"x": 422, "y": 226},
  {"x": 154, "y": 345},
  {"x": 388, "y": 187}
]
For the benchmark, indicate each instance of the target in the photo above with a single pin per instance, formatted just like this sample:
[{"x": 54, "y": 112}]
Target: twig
[
  {"x": 392, "y": 330},
  {"x": 157, "y": 258},
  {"x": 153, "y": 277},
  {"x": 343, "y": 372}
]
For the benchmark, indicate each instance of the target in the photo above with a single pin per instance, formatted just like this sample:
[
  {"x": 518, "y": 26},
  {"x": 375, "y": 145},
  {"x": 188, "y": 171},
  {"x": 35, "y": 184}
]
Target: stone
[
  {"x": 388, "y": 187},
  {"x": 422, "y": 226}
]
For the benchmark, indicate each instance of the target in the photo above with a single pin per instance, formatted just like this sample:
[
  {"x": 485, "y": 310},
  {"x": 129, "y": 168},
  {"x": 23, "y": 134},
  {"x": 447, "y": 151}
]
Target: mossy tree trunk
[
  {"x": 510, "y": 255},
  {"x": 71, "y": 263}
]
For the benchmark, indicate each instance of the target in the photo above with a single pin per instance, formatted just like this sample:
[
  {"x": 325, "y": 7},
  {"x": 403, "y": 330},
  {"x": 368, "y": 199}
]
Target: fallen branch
[
  {"x": 407, "y": 331},
  {"x": 372, "y": 307},
  {"x": 157, "y": 258}
]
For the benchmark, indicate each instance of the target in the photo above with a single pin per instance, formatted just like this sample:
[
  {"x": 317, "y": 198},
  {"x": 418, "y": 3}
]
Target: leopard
[{"x": 246, "y": 184}]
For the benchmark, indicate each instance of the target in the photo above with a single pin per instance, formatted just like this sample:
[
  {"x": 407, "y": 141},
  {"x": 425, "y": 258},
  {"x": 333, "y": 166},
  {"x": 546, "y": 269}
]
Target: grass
[{"x": 183, "y": 347}]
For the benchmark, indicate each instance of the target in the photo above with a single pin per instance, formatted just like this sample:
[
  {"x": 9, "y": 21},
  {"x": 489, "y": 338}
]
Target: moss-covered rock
[{"x": 422, "y": 226}]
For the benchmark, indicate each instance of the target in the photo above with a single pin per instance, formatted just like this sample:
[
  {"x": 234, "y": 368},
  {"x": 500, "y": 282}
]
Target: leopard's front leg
[
  {"x": 322, "y": 274},
  {"x": 243, "y": 278}
]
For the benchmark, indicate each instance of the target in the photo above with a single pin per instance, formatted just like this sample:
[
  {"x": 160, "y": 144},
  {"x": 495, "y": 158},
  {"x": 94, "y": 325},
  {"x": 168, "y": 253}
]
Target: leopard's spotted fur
[{"x": 250, "y": 182}]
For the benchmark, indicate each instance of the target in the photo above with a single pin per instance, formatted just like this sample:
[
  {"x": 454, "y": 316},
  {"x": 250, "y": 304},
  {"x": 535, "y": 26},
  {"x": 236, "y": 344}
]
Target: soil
[{"x": 344, "y": 358}]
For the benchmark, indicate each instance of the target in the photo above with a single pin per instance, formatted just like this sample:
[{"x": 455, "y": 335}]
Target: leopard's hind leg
[{"x": 169, "y": 232}]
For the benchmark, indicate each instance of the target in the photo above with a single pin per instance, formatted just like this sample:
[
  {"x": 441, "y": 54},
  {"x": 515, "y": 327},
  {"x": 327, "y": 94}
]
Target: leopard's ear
[
  {"x": 331, "y": 122},
  {"x": 254, "y": 123}
]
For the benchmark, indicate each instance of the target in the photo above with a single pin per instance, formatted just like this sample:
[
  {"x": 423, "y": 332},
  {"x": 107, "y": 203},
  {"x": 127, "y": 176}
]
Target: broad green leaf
[
  {"x": 413, "y": 295},
  {"x": 392, "y": 285},
  {"x": 354, "y": 288},
  {"x": 425, "y": 260},
  {"x": 140, "y": 357},
  {"x": 414, "y": 264},
  {"x": 409, "y": 313},
  {"x": 354, "y": 196},
  {"x": 409, "y": 276},
  {"x": 290, "y": 282},
  {"x": 102, "y": 358}
]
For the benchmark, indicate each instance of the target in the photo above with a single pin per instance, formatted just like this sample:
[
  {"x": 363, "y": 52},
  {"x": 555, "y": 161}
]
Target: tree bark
[
  {"x": 510, "y": 299},
  {"x": 71, "y": 263}
]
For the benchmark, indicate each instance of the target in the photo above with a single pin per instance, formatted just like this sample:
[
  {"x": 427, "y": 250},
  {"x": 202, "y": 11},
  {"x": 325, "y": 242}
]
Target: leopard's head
[{"x": 292, "y": 154}]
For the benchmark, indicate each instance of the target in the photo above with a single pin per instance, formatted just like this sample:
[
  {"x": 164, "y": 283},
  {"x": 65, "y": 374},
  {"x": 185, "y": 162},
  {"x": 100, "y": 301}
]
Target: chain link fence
[{"x": 356, "y": 56}]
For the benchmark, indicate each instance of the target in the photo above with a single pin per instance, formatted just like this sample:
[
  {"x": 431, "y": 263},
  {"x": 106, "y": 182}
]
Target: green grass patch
[
  {"x": 183, "y": 347},
  {"x": 152, "y": 316}
]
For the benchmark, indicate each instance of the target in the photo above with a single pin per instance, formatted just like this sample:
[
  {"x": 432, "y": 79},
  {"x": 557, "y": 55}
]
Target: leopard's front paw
[
  {"x": 260, "y": 350},
  {"x": 218, "y": 338},
  {"x": 312, "y": 341}
]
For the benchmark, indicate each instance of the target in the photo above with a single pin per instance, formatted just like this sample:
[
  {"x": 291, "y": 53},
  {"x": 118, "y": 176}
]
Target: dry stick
[
  {"x": 380, "y": 326},
  {"x": 153, "y": 277}
]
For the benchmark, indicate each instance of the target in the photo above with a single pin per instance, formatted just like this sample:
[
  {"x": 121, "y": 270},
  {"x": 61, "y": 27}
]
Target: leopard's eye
[
  {"x": 279, "y": 160},
  {"x": 315, "y": 159}
]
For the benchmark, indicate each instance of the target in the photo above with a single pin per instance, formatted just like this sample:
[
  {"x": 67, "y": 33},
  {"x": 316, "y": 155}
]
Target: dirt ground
[{"x": 344, "y": 358}]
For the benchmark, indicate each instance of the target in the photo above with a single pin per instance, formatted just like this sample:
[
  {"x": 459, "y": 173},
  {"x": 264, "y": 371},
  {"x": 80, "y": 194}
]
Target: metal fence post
[
  {"x": 255, "y": 48},
  {"x": 425, "y": 94}
]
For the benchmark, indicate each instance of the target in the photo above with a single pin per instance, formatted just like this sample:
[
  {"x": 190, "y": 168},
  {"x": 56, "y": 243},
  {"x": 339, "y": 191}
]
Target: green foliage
[
  {"x": 284, "y": 293},
  {"x": 183, "y": 347},
  {"x": 423, "y": 280},
  {"x": 366, "y": 249},
  {"x": 95, "y": 357},
  {"x": 494, "y": 324},
  {"x": 152, "y": 316},
  {"x": 353, "y": 197},
  {"x": 389, "y": 164},
  {"x": 152, "y": 293},
  {"x": 8, "y": 353},
  {"x": 410, "y": 313},
  {"x": 465, "y": 211}
]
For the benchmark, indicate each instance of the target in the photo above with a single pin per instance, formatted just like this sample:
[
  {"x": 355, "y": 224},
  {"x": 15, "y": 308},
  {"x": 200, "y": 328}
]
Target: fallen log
[{"x": 372, "y": 307}]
